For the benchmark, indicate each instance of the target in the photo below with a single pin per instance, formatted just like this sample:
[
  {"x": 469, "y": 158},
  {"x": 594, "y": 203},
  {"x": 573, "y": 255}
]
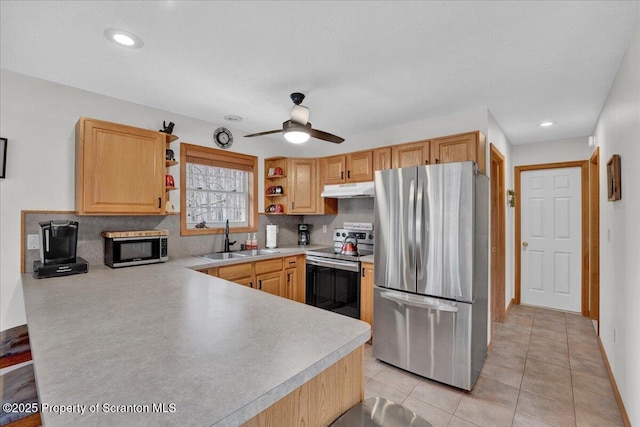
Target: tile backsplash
[
  {"x": 349, "y": 210},
  {"x": 91, "y": 243}
]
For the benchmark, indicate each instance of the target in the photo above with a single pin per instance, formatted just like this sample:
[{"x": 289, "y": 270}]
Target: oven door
[{"x": 334, "y": 285}]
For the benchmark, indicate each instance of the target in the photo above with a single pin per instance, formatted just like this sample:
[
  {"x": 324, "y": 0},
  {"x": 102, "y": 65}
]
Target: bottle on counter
[
  {"x": 254, "y": 241},
  {"x": 247, "y": 244}
]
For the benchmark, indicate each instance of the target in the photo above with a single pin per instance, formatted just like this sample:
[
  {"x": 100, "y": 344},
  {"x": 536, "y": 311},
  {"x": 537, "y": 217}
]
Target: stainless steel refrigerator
[{"x": 431, "y": 268}]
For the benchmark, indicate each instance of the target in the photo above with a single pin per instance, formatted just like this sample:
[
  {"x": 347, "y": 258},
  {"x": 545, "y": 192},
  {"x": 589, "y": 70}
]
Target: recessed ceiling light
[
  {"x": 233, "y": 118},
  {"x": 123, "y": 38},
  {"x": 546, "y": 124}
]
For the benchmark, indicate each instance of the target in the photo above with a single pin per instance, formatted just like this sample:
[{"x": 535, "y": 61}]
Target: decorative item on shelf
[
  {"x": 170, "y": 155},
  {"x": 271, "y": 172},
  {"x": 614, "y": 179},
  {"x": 168, "y": 207},
  {"x": 167, "y": 128},
  {"x": 278, "y": 171},
  {"x": 223, "y": 138},
  {"x": 169, "y": 182},
  {"x": 511, "y": 198},
  {"x": 276, "y": 208},
  {"x": 278, "y": 190},
  {"x": 271, "y": 190}
]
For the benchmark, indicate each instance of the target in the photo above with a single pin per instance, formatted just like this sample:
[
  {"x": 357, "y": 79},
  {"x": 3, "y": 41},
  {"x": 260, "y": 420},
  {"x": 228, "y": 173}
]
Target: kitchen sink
[
  {"x": 257, "y": 252},
  {"x": 223, "y": 255}
]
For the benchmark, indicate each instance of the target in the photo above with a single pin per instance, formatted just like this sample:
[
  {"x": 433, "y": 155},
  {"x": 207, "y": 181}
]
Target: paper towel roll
[{"x": 271, "y": 237}]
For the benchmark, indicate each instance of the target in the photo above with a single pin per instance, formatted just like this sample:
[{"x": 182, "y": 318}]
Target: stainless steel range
[{"x": 333, "y": 277}]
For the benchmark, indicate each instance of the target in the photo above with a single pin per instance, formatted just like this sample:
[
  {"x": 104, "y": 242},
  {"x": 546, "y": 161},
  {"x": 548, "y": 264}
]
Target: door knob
[{"x": 525, "y": 244}]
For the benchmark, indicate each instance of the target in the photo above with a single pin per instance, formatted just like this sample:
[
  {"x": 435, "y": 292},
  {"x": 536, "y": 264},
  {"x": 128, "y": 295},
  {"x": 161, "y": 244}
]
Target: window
[{"x": 217, "y": 186}]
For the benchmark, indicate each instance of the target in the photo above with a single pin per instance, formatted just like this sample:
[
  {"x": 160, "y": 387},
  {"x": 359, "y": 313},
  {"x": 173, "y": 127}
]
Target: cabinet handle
[
  {"x": 363, "y": 272},
  {"x": 293, "y": 205},
  {"x": 288, "y": 277},
  {"x": 342, "y": 175},
  {"x": 426, "y": 162},
  {"x": 436, "y": 161},
  {"x": 260, "y": 284},
  {"x": 251, "y": 284},
  {"x": 159, "y": 202},
  {"x": 348, "y": 174}
]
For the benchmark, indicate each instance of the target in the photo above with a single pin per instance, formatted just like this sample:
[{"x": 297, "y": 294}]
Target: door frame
[
  {"x": 594, "y": 237},
  {"x": 584, "y": 174},
  {"x": 498, "y": 232}
]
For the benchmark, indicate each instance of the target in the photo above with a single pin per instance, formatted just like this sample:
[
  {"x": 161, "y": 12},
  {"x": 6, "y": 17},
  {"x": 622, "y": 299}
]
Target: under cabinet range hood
[{"x": 345, "y": 191}]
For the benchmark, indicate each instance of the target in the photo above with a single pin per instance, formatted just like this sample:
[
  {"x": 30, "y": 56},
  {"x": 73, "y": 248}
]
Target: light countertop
[{"x": 213, "y": 352}]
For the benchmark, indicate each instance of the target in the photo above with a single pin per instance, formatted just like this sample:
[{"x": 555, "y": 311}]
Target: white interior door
[{"x": 551, "y": 238}]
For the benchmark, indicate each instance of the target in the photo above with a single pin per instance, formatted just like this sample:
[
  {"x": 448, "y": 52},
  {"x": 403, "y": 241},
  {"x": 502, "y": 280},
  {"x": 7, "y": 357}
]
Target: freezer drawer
[{"x": 427, "y": 336}]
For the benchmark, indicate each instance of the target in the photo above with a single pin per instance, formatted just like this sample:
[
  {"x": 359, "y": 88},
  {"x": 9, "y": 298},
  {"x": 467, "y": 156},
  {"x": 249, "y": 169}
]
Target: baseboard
[
  {"x": 614, "y": 386},
  {"x": 506, "y": 312}
]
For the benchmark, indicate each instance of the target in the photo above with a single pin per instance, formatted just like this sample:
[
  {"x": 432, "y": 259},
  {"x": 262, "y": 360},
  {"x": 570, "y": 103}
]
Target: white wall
[
  {"x": 618, "y": 132},
  {"x": 496, "y": 136},
  {"x": 38, "y": 118},
  {"x": 564, "y": 150}
]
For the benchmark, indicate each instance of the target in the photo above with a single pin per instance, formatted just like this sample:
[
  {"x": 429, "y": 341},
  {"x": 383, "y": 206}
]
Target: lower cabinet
[
  {"x": 366, "y": 293},
  {"x": 283, "y": 277}
]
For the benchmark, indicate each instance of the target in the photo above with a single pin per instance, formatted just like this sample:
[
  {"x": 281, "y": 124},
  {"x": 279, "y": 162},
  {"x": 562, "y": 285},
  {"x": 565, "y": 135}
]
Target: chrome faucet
[{"x": 227, "y": 244}]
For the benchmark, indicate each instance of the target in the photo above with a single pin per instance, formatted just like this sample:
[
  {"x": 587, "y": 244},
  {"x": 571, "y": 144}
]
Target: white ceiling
[{"x": 362, "y": 65}]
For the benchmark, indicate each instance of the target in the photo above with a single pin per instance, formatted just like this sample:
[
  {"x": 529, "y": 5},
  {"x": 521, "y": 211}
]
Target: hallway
[{"x": 545, "y": 368}]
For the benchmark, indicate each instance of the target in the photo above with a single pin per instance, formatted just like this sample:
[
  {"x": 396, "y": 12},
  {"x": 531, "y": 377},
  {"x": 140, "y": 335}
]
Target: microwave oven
[{"x": 127, "y": 248}]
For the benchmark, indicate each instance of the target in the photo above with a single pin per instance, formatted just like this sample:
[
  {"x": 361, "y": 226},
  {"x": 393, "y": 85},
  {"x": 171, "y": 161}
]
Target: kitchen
[{"x": 56, "y": 108}]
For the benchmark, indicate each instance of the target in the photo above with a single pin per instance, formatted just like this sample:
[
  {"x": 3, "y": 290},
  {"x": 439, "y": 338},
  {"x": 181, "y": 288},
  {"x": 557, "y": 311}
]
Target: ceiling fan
[{"x": 298, "y": 129}]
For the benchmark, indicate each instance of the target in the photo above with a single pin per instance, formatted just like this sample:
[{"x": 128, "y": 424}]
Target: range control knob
[
  {"x": 371, "y": 236},
  {"x": 337, "y": 234},
  {"x": 344, "y": 234}
]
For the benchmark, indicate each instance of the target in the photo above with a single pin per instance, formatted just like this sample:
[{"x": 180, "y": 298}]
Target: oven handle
[
  {"x": 333, "y": 263},
  {"x": 420, "y": 304}
]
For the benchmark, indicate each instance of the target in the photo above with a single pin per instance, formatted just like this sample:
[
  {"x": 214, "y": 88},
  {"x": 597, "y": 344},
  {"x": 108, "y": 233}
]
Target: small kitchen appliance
[
  {"x": 333, "y": 275},
  {"x": 58, "y": 243},
  {"x": 304, "y": 237},
  {"x": 127, "y": 248}
]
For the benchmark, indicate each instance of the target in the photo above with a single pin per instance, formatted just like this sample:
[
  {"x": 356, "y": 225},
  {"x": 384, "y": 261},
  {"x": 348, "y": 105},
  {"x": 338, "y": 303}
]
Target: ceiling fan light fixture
[{"x": 296, "y": 136}]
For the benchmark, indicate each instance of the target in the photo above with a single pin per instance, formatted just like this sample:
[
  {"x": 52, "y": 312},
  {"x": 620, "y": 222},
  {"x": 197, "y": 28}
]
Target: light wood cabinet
[
  {"x": 334, "y": 169},
  {"x": 303, "y": 186},
  {"x": 300, "y": 186},
  {"x": 351, "y": 167},
  {"x": 284, "y": 276},
  {"x": 119, "y": 169},
  {"x": 382, "y": 158},
  {"x": 460, "y": 148},
  {"x": 294, "y": 278},
  {"x": 410, "y": 154},
  {"x": 366, "y": 293}
]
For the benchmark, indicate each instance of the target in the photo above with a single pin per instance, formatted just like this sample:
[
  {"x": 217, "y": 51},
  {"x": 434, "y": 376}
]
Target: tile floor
[{"x": 545, "y": 368}]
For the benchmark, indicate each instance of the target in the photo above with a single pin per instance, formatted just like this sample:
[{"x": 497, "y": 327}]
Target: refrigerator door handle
[
  {"x": 420, "y": 304},
  {"x": 419, "y": 225},
  {"x": 411, "y": 226}
]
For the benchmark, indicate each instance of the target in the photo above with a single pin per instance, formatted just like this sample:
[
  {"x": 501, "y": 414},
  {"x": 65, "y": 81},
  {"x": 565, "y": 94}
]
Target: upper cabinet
[
  {"x": 410, "y": 154},
  {"x": 119, "y": 169},
  {"x": 382, "y": 158},
  {"x": 460, "y": 148},
  {"x": 351, "y": 167},
  {"x": 292, "y": 186}
]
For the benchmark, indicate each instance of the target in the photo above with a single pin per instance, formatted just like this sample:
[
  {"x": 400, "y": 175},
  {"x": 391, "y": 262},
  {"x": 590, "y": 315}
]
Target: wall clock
[{"x": 223, "y": 137}]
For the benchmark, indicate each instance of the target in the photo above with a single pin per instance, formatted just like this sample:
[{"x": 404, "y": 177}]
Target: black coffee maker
[
  {"x": 58, "y": 243},
  {"x": 303, "y": 234}
]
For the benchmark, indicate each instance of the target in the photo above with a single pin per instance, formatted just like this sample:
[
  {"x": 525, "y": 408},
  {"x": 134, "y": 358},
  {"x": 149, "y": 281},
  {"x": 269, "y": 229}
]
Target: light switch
[{"x": 33, "y": 241}]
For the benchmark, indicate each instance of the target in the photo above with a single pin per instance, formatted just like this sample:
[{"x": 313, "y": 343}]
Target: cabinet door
[
  {"x": 235, "y": 271},
  {"x": 459, "y": 148},
  {"x": 271, "y": 283},
  {"x": 360, "y": 166},
  {"x": 119, "y": 169},
  {"x": 334, "y": 170},
  {"x": 366, "y": 293},
  {"x": 291, "y": 283},
  {"x": 411, "y": 154},
  {"x": 382, "y": 158},
  {"x": 245, "y": 281},
  {"x": 303, "y": 186}
]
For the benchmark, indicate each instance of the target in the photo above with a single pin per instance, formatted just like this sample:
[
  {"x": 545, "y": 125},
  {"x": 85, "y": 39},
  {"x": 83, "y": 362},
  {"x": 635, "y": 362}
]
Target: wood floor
[{"x": 545, "y": 369}]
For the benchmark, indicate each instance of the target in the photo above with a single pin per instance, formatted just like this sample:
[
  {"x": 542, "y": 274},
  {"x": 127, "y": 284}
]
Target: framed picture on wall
[
  {"x": 614, "y": 180},
  {"x": 3, "y": 157}
]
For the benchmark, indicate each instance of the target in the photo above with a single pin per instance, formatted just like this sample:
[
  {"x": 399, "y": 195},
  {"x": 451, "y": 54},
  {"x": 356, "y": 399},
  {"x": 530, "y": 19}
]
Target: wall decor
[
  {"x": 614, "y": 179},
  {"x": 3, "y": 157},
  {"x": 511, "y": 198}
]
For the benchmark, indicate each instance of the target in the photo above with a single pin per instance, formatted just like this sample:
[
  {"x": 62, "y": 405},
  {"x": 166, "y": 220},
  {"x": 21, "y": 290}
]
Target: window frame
[{"x": 225, "y": 159}]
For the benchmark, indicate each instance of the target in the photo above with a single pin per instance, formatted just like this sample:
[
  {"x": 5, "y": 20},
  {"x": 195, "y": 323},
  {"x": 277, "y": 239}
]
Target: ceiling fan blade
[
  {"x": 268, "y": 132},
  {"x": 300, "y": 114},
  {"x": 325, "y": 136}
]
